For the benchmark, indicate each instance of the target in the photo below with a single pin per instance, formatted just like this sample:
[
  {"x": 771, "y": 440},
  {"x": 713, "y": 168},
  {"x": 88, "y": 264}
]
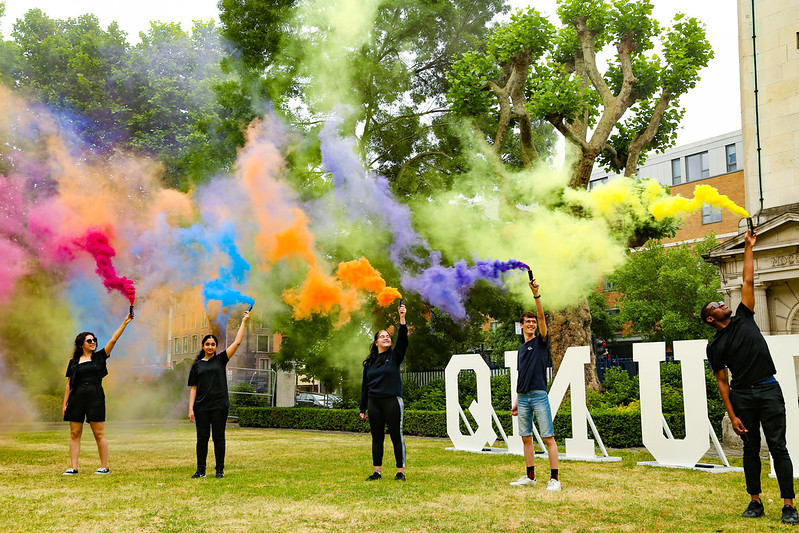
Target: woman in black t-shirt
[
  {"x": 84, "y": 398},
  {"x": 208, "y": 398},
  {"x": 381, "y": 396}
]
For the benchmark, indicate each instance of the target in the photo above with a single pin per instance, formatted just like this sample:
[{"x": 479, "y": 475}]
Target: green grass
[{"x": 291, "y": 480}]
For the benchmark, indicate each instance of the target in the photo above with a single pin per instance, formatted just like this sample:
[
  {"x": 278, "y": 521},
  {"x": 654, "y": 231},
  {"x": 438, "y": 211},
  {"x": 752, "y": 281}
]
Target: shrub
[{"x": 48, "y": 406}]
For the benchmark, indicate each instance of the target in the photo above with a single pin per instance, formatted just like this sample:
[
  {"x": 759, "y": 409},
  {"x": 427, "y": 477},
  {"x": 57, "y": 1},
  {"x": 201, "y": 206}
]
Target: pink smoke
[{"x": 96, "y": 243}]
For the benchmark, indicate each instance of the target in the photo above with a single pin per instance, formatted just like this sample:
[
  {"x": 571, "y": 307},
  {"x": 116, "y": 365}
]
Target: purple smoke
[
  {"x": 367, "y": 195},
  {"x": 446, "y": 288}
]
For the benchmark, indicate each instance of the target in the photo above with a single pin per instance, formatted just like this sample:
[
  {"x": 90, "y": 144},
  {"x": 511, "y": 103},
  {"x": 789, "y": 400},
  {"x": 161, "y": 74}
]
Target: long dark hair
[
  {"x": 374, "y": 355},
  {"x": 79, "y": 340},
  {"x": 202, "y": 352}
]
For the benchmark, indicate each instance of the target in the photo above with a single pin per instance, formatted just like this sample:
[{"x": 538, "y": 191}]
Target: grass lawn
[{"x": 284, "y": 480}]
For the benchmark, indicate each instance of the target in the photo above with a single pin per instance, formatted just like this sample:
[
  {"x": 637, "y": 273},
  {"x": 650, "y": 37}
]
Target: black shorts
[{"x": 86, "y": 402}]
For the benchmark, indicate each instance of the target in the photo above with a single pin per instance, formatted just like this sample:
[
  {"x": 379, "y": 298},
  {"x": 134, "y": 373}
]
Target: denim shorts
[{"x": 535, "y": 402}]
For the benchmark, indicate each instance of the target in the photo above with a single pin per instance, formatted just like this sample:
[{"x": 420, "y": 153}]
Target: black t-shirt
[
  {"x": 210, "y": 378},
  {"x": 531, "y": 361},
  {"x": 98, "y": 361},
  {"x": 382, "y": 379},
  {"x": 741, "y": 348},
  {"x": 87, "y": 371}
]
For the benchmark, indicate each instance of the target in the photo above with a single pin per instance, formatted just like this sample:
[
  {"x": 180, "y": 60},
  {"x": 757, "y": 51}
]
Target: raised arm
[
  {"x": 748, "y": 275},
  {"x": 539, "y": 310},
  {"x": 115, "y": 337},
  {"x": 402, "y": 337},
  {"x": 239, "y": 336}
]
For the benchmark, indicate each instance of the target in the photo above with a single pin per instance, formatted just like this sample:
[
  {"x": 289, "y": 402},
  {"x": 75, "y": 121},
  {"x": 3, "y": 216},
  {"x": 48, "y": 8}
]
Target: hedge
[{"x": 618, "y": 429}]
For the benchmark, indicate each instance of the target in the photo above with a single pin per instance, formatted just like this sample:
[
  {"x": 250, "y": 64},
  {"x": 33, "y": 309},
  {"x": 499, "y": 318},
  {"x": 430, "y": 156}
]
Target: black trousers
[
  {"x": 386, "y": 412},
  {"x": 211, "y": 423},
  {"x": 764, "y": 405}
]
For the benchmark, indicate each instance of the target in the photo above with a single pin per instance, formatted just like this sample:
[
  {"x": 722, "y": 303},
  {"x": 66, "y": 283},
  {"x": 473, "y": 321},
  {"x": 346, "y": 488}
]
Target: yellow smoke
[{"x": 671, "y": 206}]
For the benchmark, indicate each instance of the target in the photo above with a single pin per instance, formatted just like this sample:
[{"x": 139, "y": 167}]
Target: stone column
[
  {"x": 733, "y": 298},
  {"x": 762, "y": 318}
]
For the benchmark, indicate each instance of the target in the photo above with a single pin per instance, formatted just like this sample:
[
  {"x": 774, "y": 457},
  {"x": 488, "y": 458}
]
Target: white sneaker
[
  {"x": 102, "y": 471},
  {"x": 553, "y": 484},
  {"x": 524, "y": 480}
]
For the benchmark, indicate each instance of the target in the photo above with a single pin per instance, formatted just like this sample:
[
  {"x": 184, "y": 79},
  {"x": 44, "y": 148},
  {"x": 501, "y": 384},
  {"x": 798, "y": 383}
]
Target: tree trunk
[{"x": 572, "y": 327}]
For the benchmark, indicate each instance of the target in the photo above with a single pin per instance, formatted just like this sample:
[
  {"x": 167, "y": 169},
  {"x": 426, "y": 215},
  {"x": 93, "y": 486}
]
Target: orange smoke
[
  {"x": 294, "y": 241},
  {"x": 322, "y": 294},
  {"x": 359, "y": 274}
]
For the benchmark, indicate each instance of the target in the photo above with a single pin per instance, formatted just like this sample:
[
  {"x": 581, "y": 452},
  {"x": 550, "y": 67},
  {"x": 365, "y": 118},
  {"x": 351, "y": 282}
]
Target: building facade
[{"x": 769, "y": 72}]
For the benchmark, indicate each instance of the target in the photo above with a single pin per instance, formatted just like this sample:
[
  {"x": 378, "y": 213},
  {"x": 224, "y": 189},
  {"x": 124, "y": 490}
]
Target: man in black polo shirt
[{"x": 754, "y": 397}]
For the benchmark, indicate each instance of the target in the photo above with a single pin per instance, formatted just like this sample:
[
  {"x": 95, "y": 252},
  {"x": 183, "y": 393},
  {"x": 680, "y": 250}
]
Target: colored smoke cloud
[
  {"x": 446, "y": 288},
  {"x": 670, "y": 206}
]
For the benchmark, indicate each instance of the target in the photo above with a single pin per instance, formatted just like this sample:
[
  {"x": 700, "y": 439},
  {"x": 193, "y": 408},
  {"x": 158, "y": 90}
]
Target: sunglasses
[
  {"x": 715, "y": 305},
  {"x": 91, "y": 341}
]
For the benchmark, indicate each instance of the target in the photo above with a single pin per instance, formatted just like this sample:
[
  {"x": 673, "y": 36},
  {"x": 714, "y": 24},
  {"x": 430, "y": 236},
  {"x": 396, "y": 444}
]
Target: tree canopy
[
  {"x": 530, "y": 69},
  {"x": 662, "y": 289}
]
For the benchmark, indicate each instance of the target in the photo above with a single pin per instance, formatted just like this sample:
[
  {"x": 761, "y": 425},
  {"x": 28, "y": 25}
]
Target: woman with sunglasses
[
  {"x": 381, "y": 396},
  {"x": 84, "y": 398}
]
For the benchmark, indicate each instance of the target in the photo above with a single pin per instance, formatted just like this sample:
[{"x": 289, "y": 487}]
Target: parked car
[{"x": 315, "y": 399}]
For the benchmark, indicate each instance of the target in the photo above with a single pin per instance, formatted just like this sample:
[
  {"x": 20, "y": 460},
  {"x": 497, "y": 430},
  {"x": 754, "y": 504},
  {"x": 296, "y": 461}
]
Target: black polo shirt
[{"x": 741, "y": 348}]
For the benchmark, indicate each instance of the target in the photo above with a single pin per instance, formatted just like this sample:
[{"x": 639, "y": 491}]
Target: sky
[{"x": 712, "y": 108}]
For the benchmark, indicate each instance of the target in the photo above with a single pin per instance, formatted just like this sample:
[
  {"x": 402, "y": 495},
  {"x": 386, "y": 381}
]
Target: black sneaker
[
  {"x": 102, "y": 471},
  {"x": 789, "y": 515},
  {"x": 399, "y": 477},
  {"x": 755, "y": 510},
  {"x": 70, "y": 472},
  {"x": 374, "y": 477},
  {"x": 220, "y": 474},
  {"x": 198, "y": 473}
]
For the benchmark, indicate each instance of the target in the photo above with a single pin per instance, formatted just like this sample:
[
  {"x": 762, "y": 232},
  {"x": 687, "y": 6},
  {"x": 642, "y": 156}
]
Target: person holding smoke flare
[
  {"x": 208, "y": 398},
  {"x": 381, "y": 396},
  {"x": 531, "y": 392},
  {"x": 754, "y": 397},
  {"x": 84, "y": 398}
]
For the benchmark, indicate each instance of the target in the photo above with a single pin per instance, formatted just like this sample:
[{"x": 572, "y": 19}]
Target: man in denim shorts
[{"x": 531, "y": 389}]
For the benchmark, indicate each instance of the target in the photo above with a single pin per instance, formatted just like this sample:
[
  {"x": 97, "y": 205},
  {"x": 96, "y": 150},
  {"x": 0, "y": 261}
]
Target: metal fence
[
  {"x": 261, "y": 381},
  {"x": 424, "y": 377}
]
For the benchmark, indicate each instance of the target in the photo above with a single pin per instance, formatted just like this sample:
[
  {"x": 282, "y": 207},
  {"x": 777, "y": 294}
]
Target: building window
[
  {"x": 710, "y": 214},
  {"x": 594, "y": 183},
  {"x": 676, "y": 172},
  {"x": 697, "y": 167},
  {"x": 493, "y": 325},
  {"x": 263, "y": 343},
  {"x": 194, "y": 343},
  {"x": 177, "y": 346},
  {"x": 205, "y": 321},
  {"x": 186, "y": 344},
  {"x": 263, "y": 363},
  {"x": 185, "y": 321},
  {"x": 732, "y": 160}
]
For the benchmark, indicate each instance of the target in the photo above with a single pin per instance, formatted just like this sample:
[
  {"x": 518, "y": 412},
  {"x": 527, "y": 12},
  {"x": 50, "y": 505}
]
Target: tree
[
  {"x": 603, "y": 325},
  {"x": 661, "y": 290},
  {"x": 74, "y": 66},
  {"x": 396, "y": 80},
  {"x": 530, "y": 70},
  {"x": 170, "y": 86},
  {"x": 568, "y": 90}
]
